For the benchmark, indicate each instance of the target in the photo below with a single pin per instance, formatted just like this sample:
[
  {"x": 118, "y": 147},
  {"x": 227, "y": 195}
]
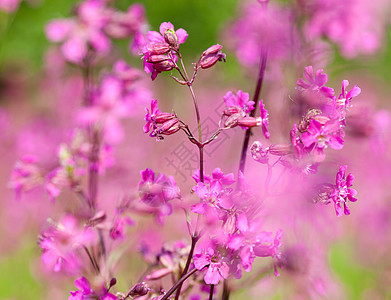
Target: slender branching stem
[
  {"x": 257, "y": 93},
  {"x": 194, "y": 240},
  {"x": 179, "y": 282}
]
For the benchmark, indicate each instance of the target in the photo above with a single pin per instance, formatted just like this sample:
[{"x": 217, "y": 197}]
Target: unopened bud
[
  {"x": 158, "y": 48},
  {"x": 166, "y": 65},
  {"x": 172, "y": 39},
  {"x": 140, "y": 289},
  {"x": 163, "y": 117},
  {"x": 231, "y": 110},
  {"x": 158, "y": 58},
  {"x": 113, "y": 282},
  {"x": 169, "y": 127},
  {"x": 280, "y": 150},
  {"x": 211, "y": 56},
  {"x": 232, "y": 120},
  {"x": 249, "y": 122},
  {"x": 259, "y": 153},
  {"x": 212, "y": 50}
]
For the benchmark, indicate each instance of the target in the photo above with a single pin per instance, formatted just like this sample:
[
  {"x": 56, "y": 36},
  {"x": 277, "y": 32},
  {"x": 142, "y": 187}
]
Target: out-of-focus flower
[
  {"x": 85, "y": 292},
  {"x": 270, "y": 247},
  {"x": 337, "y": 21},
  {"x": 84, "y": 31},
  {"x": 343, "y": 192},
  {"x": 156, "y": 192},
  {"x": 314, "y": 83},
  {"x": 26, "y": 175},
  {"x": 9, "y": 6},
  {"x": 62, "y": 244}
]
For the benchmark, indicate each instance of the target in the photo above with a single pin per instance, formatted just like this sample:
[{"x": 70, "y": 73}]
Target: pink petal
[
  {"x": 182, "y": 35},
  {"x": 58, "y": 30}
]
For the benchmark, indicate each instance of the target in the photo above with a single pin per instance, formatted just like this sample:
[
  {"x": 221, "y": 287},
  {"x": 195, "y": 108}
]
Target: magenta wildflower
[
  {"x": 314, "y": 83},
  {"x": 270, "y": 247},
  {"x": 343, "y": 192},
  {"x": 318, "y": 137},
  {"x": 117, "y": 231},
  {"x": 25, "y": 175},
  {"x": 237, "y": 103},
  {"x": 159, "y": 49},
  {"x": 217, "y": 266},
  {"x": 9, "y": 6},
  {"x": 62, "y": 242},
  {"x": 156, "y": 192},
  {"x": 264, "y": 117},
  {"x": 84, "y": 31},
  {"x": 211, "y": 56},
  {"x": 85, "y": 291},
  {"x": 160, "y": 123},
  {"x": 343, "y": 102}
]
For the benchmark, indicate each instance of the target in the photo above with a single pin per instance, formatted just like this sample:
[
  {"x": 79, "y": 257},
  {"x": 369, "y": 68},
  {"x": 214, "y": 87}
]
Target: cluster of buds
[
  {"x": 210, "y": 57},
  {"x": 161, "y": 123},
  {"x": 161, "y": 49},
  {"x": 236, "y": 112}
]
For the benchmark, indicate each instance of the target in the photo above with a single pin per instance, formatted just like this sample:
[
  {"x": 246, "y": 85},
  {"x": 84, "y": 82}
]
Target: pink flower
[
  {"x": 343, "y": 192},
  {"x": 61, "y": 243},
  {"x": 156, "y": 192},
  {"x": 159, "y": 49},
  {"x": 160, "y": 123},
  {"x": 314, "y": 83},
  {"x": 84, "y": 31},
  {"x": 25, "y": 175},
  {"x": 217, "y": 266},
  {"x": 264, "y": 118},
  {"x": 270, "y": 247},
  {"x": 85, "y": 291},
  {"x": 237, "y": 103},
  {"x": 9, "y": 6},
  {"x": 343, "y": 102},
  {"x": 318, "y": 137}
]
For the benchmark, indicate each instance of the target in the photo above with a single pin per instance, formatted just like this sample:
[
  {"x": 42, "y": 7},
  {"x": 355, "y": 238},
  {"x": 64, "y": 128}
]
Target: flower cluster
[
  {"x": 319, "y": 130},
  {"x": 237, "y": 108}
]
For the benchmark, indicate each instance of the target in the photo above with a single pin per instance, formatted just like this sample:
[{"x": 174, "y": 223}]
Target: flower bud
[
  {"x": 232, "y": 120},
  {"x": 231, "y": 110},
  {"x": 158, "y": 58},
  {"x": 163, "y": 117},
  {"x": 158, "y": 48},
  {"x": 211, "y": 60},
  {"x": 166, "y": 65},
  {"x": 249, "y": 122},
  {"x": 280, "y": 150},
  {"x": 171, "y": 38},
  {"x": 212, "y": 50},
  {"x": 259, "y": 153},
  {"x": 211, "y": 55},
  {"x": 169, "y": 127},
  {"x": 140, "y": 289}
]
